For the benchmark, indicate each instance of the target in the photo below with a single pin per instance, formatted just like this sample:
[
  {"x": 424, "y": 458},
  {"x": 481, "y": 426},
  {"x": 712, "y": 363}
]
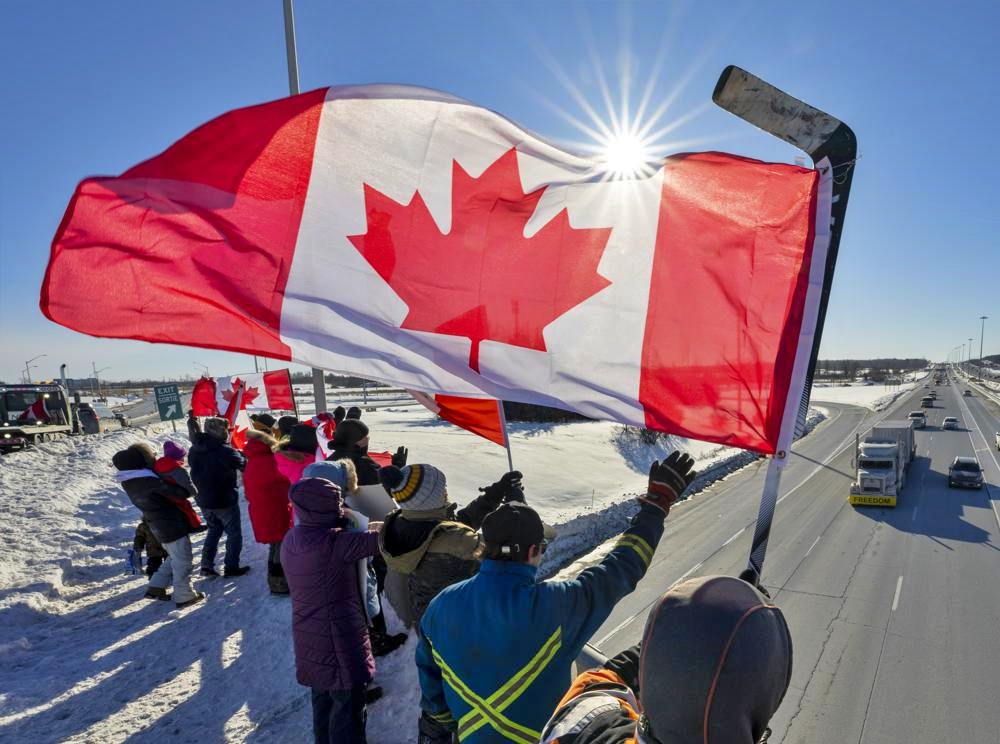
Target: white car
[
  {"x": 998, "y": 441},
  {"x": 950, "y": 422},
  {"x": 919, "y": 419}
]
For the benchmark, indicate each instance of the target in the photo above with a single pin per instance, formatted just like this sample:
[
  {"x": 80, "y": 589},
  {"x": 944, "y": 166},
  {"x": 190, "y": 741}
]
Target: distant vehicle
[
  {"x": 96, "y": 418},
  {"x": 967, "y": 393},
  {"x": 919, "y": 419},
  {"x": 122, "y": 419},
  {"x": 881, "y": 462},
  {"x": 932, "y": 394},
  {"x": 927, "y": 402},
  {"x": 950, "y": 422},
  {"x": 998, "y": 441},
  {"x": 32, "y": 413},
  {"x": 965, "y": 472}
]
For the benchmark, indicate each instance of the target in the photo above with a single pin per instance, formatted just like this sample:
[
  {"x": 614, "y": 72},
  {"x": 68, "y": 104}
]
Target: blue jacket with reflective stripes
[{"x": 495, "y": 651}]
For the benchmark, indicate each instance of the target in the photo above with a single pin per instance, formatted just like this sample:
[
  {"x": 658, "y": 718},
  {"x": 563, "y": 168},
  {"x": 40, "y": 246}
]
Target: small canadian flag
[{"x": 36, "y": 412}]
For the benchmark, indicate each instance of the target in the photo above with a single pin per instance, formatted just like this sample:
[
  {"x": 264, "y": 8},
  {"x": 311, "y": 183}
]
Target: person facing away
[
  {"x": 495, "y": 652},
  {"x": 266, "y": 491},
  {"x": 333, "y": 653},
  {"x": 350, "y": 442},
  {"x": 296, "y": 452},
  {"x": 428, "y": 543},
  {"x": 170, "y": 467},
  {"x": 155, "y": 498},
  {"x": 714, "y": 664},
  {"x": 342, "y": 474},
  {"x": 214, "y": 465}
]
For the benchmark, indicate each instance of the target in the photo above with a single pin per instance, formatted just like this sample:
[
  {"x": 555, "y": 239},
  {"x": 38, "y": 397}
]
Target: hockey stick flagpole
[{"x": 833, "y": 148}]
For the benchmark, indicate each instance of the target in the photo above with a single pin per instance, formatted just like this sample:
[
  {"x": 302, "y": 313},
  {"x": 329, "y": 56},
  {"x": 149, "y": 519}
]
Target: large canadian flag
[{"x": 408, "y": 236}]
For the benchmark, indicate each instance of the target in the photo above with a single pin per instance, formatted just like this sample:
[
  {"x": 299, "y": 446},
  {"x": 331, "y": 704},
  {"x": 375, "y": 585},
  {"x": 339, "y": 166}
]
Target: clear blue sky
[{"x": 91, "y": 88}]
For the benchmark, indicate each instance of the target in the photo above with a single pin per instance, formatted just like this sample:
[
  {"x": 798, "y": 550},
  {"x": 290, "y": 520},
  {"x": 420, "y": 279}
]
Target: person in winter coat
[
  {"x": 266, "y": 489},
  {"x": 152, "y": 496},
  {"x": 285, "y": 424},
  {"x": 333, "y": 654},
  {"x": 170, "y": 467},
  {"x": 296, "y": 452},
  {"x": 495, "y": 652},
  {"x": 342, "y": 474},
  {"x": 350, "y": 442},
  {"x": 428, "y": 543},
  {"x": 214, "y": 465},
  {"x": 144, "y": 539},
  {"x": 714, "y": 664}
]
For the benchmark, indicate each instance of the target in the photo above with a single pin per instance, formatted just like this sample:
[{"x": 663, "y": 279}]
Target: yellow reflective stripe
[
  {"x": 637, "y": 544},
  {"x": 513, "y": 731},
  {"x": 444, "y": 717},
  {"x": 515, "y": 686}
]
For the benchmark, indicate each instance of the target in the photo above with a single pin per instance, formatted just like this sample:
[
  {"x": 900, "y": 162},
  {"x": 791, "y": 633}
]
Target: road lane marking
[
  {"x": 625, "y": 622},
  {"x": 915, "y": 510},
  {"x": 815, "y": 542},
  {"x": 895, "y": 599},
  {"x": 734, "y": 537}
]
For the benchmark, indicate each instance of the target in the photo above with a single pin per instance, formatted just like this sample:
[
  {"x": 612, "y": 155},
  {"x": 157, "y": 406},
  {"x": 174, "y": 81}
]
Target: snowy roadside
[{"x": 85, "y": 658}]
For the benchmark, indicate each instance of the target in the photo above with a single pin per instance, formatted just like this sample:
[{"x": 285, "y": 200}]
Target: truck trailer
[{"x": 881, "y": 462}]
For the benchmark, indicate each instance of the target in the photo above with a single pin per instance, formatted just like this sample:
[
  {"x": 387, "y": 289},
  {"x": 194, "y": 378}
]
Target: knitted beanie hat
[
  {"x": 415, "y": 487},
  {"x": 349, "y": 432},
  {"x": 302, "y": 439},
  {"x": 265, "y": 420},
  {"x": 218, "y": 427},
  {"x": 354, "y": 413},
  {"x": 173, "y": 450},
  {"x": 285, "y": 424}
]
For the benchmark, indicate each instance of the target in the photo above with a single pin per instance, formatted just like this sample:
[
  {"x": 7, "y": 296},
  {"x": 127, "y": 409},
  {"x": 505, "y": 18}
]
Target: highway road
[{"x": 895, "y": 613}]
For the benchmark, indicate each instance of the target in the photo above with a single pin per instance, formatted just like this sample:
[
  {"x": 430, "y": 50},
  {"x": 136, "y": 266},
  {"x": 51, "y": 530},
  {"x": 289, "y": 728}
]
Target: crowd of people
[{"x": 495, "y": 645}]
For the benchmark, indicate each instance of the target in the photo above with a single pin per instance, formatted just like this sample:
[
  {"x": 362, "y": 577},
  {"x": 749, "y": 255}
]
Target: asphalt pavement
[{"x": 894, "y": 612}]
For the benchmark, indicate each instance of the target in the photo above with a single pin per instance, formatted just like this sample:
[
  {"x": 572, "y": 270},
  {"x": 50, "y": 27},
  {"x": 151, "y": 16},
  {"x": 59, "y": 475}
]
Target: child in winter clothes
[
  {"x": 333, "y": 654},
  {"x": 170, "y": 468},
  {"x": 145, "y": 540}
]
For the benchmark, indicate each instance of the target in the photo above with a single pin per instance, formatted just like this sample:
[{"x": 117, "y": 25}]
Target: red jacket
[{"x": 266, "y": 490}]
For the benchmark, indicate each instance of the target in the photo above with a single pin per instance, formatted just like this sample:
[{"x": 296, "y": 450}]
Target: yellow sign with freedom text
[{"x": 859, "y": 500}]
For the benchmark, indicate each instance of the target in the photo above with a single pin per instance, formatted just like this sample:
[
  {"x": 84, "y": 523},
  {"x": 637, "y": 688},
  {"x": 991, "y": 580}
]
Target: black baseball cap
[{"x": 511, "y": 528}]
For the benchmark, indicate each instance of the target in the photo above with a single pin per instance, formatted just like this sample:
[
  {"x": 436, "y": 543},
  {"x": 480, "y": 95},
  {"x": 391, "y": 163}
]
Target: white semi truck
[{"x": 881, "y": 461}]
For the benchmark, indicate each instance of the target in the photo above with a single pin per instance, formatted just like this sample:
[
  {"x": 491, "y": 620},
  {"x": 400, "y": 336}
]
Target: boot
[
  {"x": 277, "y": 584},
  {"x": 383, "y": 643}
]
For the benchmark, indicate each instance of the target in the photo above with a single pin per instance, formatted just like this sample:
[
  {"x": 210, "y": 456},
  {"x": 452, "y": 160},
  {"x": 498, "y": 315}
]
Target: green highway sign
[{"x": 168, "y": 401}]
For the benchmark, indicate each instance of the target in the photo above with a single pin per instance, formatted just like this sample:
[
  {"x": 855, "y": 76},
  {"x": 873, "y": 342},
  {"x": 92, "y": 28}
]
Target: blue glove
[{"x": 133, "y": 561}]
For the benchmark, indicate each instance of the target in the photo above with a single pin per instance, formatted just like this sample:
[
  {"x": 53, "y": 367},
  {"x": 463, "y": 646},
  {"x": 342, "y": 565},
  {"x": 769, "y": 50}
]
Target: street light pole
[
  {"x": 982, "y": 332},
  {"x": 27, "y": 370},
  {"x": 199, "y": 364},
  {"x": 97, "y": 380}
]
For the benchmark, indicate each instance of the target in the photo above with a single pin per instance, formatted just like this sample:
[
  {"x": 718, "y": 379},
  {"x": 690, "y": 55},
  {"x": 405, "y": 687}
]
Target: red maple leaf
[
  {"x": 249, "y": 393},
  {"x": 483, "y": 280}
]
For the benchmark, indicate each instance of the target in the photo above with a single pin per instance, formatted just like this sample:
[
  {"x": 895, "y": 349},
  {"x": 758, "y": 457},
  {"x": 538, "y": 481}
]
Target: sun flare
[{"x": 624, "y": 154}]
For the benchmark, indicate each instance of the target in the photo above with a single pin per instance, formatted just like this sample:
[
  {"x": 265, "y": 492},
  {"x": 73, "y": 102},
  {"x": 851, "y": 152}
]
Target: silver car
[{"x": 950, "y": 422}]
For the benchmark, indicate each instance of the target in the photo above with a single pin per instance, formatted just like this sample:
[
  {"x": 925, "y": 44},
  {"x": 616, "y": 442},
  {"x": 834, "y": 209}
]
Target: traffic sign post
[{"x": 168, "y": 403}]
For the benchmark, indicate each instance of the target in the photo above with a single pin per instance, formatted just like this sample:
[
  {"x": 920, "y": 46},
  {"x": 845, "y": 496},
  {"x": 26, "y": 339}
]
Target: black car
[{"x": 965, "y": 472}]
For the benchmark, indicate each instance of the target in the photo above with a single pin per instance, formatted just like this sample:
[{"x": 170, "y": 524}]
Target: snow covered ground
[{"x": 84, "y": 658}]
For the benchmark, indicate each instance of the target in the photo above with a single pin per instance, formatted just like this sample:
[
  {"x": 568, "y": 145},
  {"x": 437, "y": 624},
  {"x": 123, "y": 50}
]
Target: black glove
[
  {"x": 626, "y": 666},
  {"x": 508, "y": 488},
  {"x": 399, "y": 458},
  {"x": 668, "y": 479},
  {"x": 430, "y": 731}
]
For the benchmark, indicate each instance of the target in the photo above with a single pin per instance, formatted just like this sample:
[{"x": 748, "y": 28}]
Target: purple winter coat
[{"x": 329, "y": 625}]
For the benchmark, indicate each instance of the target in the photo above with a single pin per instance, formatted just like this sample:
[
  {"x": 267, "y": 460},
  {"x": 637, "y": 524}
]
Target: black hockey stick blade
[
  {"x": 815, "y": 132},
  {"x": 823, "y": 138}
]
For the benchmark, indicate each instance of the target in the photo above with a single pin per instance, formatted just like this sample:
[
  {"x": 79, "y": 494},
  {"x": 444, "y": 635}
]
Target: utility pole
[
  {"x": 319, "y": 384},
  {"x": 982, "y": 332}
]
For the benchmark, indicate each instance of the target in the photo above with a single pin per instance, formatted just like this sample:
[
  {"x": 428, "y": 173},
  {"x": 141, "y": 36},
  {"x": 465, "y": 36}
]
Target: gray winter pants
[{"x": 176, "y": 569}]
